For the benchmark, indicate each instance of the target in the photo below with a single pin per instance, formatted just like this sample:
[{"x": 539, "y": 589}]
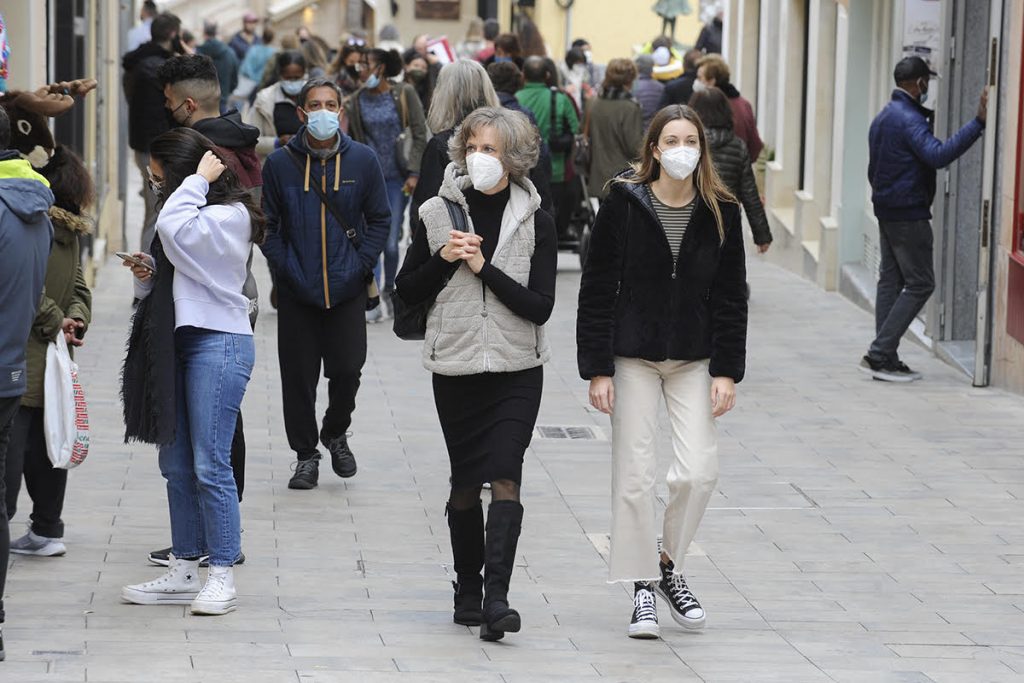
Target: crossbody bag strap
[
  {"x": 405, "y": 108},
  {"x": 554, "y": 115},
  {"x": 349, "y": 231},
  {"x": 457, "y": 215}
]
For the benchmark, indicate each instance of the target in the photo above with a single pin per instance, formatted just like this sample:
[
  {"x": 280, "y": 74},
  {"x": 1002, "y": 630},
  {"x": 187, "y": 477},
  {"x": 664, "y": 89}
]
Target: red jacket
[{"x": 744, "y": 125}]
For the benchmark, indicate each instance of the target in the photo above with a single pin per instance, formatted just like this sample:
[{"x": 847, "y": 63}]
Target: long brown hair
[{"x": 709, "y": 186}]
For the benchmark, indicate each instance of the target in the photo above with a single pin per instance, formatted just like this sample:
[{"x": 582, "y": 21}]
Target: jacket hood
[
  {"x": 228, "y": 130},
  {"x": 718, "y": 137},
  {"x": 456, "y": 182},
  {"x": 150, "y": 49},
  {"x": 298, "y": 142},
  {"x": 729, "y": 90},
  {"x": 28, "y": 199},
  {"x": 73, "y": 222}
]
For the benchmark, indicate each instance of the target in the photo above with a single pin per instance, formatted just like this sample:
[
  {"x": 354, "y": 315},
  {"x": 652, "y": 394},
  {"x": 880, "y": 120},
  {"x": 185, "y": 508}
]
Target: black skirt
[{"x": 488, "y": 421}]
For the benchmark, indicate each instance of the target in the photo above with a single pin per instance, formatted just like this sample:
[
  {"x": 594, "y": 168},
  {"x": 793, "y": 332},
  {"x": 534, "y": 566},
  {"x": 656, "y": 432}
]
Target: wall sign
[{"x": 438, "y": 9}]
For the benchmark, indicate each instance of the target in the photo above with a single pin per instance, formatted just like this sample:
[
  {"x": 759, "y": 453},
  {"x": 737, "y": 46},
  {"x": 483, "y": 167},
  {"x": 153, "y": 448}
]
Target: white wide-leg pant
[{"x": 639, "y": 387}]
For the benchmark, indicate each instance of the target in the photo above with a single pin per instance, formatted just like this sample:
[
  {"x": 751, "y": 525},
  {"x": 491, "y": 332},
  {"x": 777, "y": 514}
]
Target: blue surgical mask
[
  {"x": 502, "y": 59},
  {"x": 373, "y": 82},
  {"x": 322, "y": 124},
  {"x": 293, "y": 88}
]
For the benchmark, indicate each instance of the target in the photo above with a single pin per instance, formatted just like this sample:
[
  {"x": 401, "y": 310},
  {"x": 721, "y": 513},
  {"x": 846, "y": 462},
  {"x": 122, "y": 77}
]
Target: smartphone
[{"x": 125, "y": 256}]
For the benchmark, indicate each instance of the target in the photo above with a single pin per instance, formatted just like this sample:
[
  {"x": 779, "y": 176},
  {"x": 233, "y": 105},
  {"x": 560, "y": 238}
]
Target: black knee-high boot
[
  {"x": 466, "y": 528},
  {"x": 504, "y": 521}
]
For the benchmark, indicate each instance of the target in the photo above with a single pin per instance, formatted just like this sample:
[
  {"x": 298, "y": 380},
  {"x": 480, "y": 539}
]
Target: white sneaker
[
  {"x": 644, "y": 623},
  {"x": 218, "y": 595},
  {"x": 179, "y": 586},
  {"x": 40, "y": 546}
]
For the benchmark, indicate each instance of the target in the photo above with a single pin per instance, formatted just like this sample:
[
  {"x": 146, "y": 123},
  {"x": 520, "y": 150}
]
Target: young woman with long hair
[
  {"x": 663, "y": 313},
  {"x": 190, "y": 356}
]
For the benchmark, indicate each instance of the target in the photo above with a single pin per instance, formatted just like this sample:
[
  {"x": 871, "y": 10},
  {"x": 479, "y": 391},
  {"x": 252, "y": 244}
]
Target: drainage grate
[{"x": 574, "y": 433}]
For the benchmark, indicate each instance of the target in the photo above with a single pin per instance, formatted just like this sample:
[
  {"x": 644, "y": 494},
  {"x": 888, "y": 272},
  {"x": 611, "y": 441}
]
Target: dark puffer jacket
[
  {"x": 732, "y": 161},
  {"x": 633, "y": 305}
]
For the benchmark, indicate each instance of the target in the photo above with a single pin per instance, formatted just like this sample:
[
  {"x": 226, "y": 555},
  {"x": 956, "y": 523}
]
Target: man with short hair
[
  {"x": 538, "y": 98},
  {"x": 646, "y": 89},
  {"x": 328, "y": 218},
  {"x": 25, "y": 233},
  {"x": 679, "y": 90},
  {"x": 140, "y": 33},
  {"x": 224, "y": 60},
  {"x": 147, "y": 117},
  {"x": 903, "y": 157},
  {"x": 246, "y": 38}
]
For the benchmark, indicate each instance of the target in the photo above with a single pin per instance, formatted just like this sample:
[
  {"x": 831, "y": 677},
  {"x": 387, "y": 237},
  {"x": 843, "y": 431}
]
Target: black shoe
[
  {"x": 905, "y": 369},
  {"x": 307, "y": 474},
  {"x": 466, "y": 528},
  {"x": 644, "y": 623},
  {"x": 2, "y": 655},
  {"x": 343, "y": 461},
  {"x": 162, "y": 558},
  {"x": 685, "y": 609},
  {"x": 886, "y": 371},
  {"x": 504, "y": 523},
  {"x": 468, "y": 599}
]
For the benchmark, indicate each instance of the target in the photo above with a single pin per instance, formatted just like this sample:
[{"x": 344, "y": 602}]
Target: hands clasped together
[{"x": 464, "y": 246}]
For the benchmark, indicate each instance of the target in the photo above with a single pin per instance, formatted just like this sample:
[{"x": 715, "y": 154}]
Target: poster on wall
[
  {"x": 4, "y": 54},
  {"x": 922, "y": 35},
  {"x": 438, "y": 9}
]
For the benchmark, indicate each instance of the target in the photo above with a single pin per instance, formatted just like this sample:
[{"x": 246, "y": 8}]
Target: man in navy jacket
[
  {"x": 322, "y": 275},
  {"x": 904, "y": 155}
]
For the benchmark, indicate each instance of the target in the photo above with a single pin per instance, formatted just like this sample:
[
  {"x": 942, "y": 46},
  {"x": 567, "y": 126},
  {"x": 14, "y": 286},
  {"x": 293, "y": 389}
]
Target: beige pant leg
[
  {"x": 694, "y": 470},
  {"x": 634, "y": 537}
]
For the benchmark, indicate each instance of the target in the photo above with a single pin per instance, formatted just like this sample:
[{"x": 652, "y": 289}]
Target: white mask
[
  {"x": 484, "y": 170},
  {"x": 699, "y": 86},
  {"x": 680, "y": 162}
]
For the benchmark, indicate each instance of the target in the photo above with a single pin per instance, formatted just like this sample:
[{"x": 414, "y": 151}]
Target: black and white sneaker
[
  {"x": 2, "y": 654},
  {"x": 343, "y": 460},
  {"x": 886, "y": 371},
  {"x": 307, "y": 474},
  {"x": 162, "y": 558},
  {"x": 685, "y": 609},
  {"x": 644, "y": 623},
  {"x": 903, "y": 368}
]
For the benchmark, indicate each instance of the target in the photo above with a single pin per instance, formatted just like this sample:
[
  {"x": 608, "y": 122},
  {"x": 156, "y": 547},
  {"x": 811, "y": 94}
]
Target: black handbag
[
  {"x": 411, "y": 319},
  {"x": 559, "y": 140},
  {"x": 372, "y": 291}
]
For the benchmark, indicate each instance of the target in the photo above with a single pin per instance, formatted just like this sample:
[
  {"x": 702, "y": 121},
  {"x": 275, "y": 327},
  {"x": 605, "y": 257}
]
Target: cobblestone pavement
[{"x": 862, "y": 532}]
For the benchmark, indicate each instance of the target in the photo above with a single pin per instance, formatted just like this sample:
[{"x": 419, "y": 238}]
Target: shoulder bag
[
  {"x": 372, "y": 292},
  {"x": 411, "y": 319},
  {"x": 403, "y": 144}
]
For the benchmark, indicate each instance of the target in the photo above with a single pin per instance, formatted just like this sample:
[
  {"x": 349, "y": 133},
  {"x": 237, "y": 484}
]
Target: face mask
[
  {"x": 416, "y": 75},
  {"x": 353, "y": 70},
  {"x": 699, "y": 86},
  {"x": 322, "y": 124},
  {"x": 922, "y": 94},
  {"x": 174, "y": 112},
  {"x": 589, "y": 55},
  {"x": 155, "y": 186},
  {"x": 502, "y": 59},
  {"x": 680, "y": 162},
  {"x": 373, "y": 82},
  {"x": 292, "y": 88},
  {"x": 484, "y": 170}
]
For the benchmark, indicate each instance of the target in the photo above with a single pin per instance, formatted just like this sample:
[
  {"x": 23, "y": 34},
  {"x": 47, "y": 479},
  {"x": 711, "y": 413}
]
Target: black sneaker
[
  {"x": 162, "y": 558},
  {"x": 903, "y": 368},
  {"x": 343, "y": 461},
  {"x": 644, "y": 623},
  {"x": 685, "y": 609},
  {"x": 886, "y": 371},
  {"x": 2, "y": 655},
  {"x": 307, "y": 473}
]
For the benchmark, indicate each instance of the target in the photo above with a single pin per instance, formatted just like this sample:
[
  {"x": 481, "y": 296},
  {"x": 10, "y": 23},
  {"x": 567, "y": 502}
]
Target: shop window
[{"x": 1015, "y": 280}]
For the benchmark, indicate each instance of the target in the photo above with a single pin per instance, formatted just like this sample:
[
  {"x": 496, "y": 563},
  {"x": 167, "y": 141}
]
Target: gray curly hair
[{"x": 519, "y": 139}]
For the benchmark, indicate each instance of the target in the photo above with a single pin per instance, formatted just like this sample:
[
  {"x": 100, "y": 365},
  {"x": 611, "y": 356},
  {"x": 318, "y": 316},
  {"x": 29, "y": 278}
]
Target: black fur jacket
[{"x": 633, "y": 305}]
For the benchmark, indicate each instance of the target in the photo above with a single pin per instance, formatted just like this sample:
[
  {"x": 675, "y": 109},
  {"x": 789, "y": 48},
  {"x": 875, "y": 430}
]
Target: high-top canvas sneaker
[
  {"x": 685, "y": 609},
  {"x": 644, "y": 623},
  {"x": 218, "y": 595},
  {"x": 179, "y": 586}
]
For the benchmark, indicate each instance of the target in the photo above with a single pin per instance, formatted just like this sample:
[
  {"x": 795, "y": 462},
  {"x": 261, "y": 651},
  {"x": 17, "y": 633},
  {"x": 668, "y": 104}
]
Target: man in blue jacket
[
  {"x": 904, "y": 155},
  {"x": 323, "y": 256},
  {"x": 25, "y": 235}
]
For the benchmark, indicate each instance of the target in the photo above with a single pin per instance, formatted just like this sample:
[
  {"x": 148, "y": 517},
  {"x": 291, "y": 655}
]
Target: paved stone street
[{"x": 862, "y": 532}]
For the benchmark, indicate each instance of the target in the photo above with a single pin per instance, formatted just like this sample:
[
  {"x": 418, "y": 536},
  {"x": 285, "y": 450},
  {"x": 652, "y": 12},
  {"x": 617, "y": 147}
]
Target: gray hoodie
[{"x": 25, "y": 236}]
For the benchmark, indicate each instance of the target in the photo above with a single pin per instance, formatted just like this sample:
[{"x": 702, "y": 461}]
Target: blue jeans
[
  {"x": 213, "y": 369},
  {"x": 905, "y": 281},
  {"x": 397, "y": 201}
]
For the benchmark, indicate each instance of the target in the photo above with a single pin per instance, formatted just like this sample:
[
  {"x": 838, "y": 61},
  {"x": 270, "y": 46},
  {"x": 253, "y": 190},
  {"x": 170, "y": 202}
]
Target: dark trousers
[
  {"x": 46, "y": 484},
  {"x": 564, "y": 196},
  {"x": 906, "y": 279},
  {"x": 8, "y": 407},
  {"x": 306, "y": 337}
]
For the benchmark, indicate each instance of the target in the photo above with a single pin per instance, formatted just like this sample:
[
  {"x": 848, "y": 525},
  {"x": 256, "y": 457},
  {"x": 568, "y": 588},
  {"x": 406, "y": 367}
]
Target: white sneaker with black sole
[
  {"x": 218, "y": 595},
  {"x": 644, "y": 623},
  {"x": 40, "y": 546},
  {"x": 685, "y": 609},
  {"x": 179, "y": 586}
]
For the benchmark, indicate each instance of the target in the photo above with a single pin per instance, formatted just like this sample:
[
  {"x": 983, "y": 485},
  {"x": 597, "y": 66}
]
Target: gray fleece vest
[{"x": 469, "y": 330}]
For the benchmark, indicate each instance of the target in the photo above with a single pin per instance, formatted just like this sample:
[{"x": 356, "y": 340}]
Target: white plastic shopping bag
[{"x": 65, "y": 419}]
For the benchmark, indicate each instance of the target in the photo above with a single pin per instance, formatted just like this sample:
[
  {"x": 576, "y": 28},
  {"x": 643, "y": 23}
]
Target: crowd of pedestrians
[{"x": 320, "y": 157}]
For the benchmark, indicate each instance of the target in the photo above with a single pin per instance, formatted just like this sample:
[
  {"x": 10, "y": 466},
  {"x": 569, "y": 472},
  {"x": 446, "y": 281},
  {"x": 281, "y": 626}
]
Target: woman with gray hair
[
  {"x": 492, "y": 283},
  {"x": 461, "y": 87}
]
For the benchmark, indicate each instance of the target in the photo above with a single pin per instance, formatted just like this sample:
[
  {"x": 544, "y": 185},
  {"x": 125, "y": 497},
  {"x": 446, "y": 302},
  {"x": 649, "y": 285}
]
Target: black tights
[{"x": 467, "y": 498}]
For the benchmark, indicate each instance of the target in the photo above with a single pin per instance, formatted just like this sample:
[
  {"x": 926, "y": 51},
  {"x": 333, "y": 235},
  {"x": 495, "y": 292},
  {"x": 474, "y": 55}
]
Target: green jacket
[
  {"x": 537, "y": 98},
  {"x": 65, "y": 296}
]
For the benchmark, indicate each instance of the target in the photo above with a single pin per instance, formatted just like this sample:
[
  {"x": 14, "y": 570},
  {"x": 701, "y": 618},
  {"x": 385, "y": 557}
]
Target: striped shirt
[{"x": 674, "y": 220}]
